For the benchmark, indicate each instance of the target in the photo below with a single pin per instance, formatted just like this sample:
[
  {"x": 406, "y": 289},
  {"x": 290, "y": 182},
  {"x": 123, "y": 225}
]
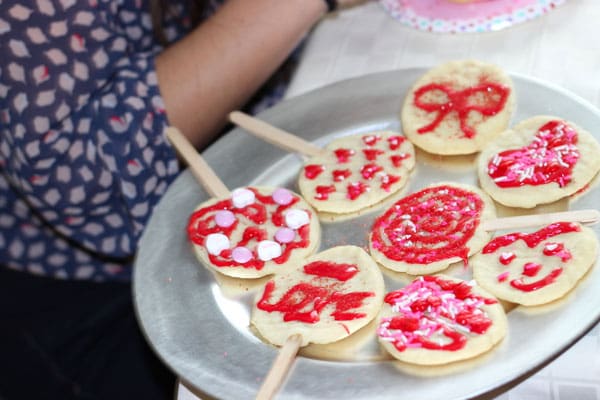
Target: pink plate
[{"x": 445, "y": 16}]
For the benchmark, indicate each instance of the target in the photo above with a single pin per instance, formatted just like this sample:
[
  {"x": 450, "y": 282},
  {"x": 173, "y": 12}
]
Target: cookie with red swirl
[
  {"x": 426, "y": 231},
  {"x": 458, "y": 107}
]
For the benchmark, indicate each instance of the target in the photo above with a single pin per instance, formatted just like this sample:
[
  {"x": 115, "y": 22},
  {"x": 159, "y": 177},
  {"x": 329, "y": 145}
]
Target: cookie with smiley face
[
  {"x": 538, "y": 267},
  {"x": 540, "y": 160}
]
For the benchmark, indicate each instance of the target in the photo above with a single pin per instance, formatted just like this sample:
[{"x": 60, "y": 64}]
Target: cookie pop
[
  {"x": 352, "y": 173},
  {"x": 324, "y": 299},
  {"x": 249, "y": 232}
]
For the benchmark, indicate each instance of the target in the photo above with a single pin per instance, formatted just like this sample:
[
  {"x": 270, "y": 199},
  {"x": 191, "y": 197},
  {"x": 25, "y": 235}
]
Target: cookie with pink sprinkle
[
  {"x": 438, "y": 320},
  {"x": 255, "y": 232}
]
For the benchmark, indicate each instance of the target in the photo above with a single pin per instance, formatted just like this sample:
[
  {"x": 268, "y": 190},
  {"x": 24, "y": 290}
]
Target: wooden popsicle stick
[
  {"x": 524, "y": 221},
  {"x": 280, "y": 368},
  {"x": 274, "y": 135},
  {"x": 203, "y": 173}
]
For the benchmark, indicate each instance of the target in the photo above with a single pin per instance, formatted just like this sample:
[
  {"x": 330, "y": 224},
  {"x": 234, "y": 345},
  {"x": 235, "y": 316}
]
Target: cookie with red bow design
[
  {"x": 538, "y": 267},
  {"x": 324, "y": 299},
  {"x": 538, "y": 161},
  {"x": 458, "y": 107},
  {"x": 255, "y": 232},
  {"x": 357, "y": 171},
  {"x": 438, "y": 319}
]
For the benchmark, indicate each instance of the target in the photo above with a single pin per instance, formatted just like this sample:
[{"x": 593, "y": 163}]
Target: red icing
[
  {"x": 313, "y": 170},
  {"x": 202, "y": 223},
  {"x": 305, "y": 301},
  {"x": 532, "y": 240},
  {"x": 462, "y": 102},
  {"x": 371, "y": 140},
  {"x": 432, "y": 305},
  {"x": 324, "y": 191},
  {"x": 397, "y": 159},
  {"x": 368, "y": 171},
  {"x": 550, "y": 157},
  {"x": 340, "y": 174},
  {"x": 395, "y": 142},
  {"x": 388, "y": 180},
  {"x": 343, "y": 155},
  {"x": 430, "y": 225},
  {"x": 355, "y": 189},
  {"x": 371, "y": 154}
]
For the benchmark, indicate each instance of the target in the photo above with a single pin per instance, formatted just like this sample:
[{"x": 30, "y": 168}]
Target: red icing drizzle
[
  {"x": 532, "y": 240},
  {"x": 313, "y": 170},
  {"x": 305, "y": 301},
  {"x": 371, "y": 140},
  {"x": 324, "y": 191},
  {"x": 343, "y": 155},
  {"x": 430, "y": 225},
  {"x": 371, "y": 154},
  {"x": 355, "y": 189},
  {"x": 341, "y": 174},
  {"x": 398, "y": 158},
  {"x": 550, "y": 157},
  {"x": 202, "y": 223},
  {"x": 388, "y": 180},
  {"x": 395, "y": 142},
  {"x": 368, "y": 171},
  {"x": 431, "y": 305},
  {"x": 459, "y": 101}
]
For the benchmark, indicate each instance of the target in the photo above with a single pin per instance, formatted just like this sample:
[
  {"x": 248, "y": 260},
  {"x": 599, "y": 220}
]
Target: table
[{"x": 556, "y": 47}]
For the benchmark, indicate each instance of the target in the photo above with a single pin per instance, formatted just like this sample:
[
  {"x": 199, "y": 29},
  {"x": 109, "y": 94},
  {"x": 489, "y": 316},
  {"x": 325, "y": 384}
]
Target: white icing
[
  {"x": 242, "y": 197},
  {"x": 294, "y": 218},
  {"x": 216, "y": 243},
  {"x": 268, "y": 250}
]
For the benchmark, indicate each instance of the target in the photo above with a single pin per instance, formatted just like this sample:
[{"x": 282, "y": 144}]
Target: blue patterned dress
[{"x": 83, "y": 159}]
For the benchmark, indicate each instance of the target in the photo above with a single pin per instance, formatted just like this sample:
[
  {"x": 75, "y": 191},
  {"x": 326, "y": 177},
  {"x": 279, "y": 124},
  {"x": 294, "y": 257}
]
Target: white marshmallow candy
[
  {"x": 242, "y": 197},
  {"x": 294, "y": 218},
  {"x": 268, "y": 250},
  {"x": 216, "y": 243}
]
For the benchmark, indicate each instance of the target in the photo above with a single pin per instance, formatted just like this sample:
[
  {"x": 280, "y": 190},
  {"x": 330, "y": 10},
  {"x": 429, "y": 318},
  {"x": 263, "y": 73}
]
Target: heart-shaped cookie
[
  {"x": 357, "y": 172},
  {"x": 536, "y": 268},
  {"x": 428, "y": 230},
  {"x": 540, "y": 160},
  {"x": 255, "y": 232},
  {"x": 325, "y": 298}
]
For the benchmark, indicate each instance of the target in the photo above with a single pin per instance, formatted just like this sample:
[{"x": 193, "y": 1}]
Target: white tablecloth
[{"x": 562, "y": 47}]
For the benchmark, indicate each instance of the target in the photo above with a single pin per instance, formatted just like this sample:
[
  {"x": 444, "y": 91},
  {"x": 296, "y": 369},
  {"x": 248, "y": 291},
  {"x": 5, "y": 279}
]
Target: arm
[{"x": 217, "y": 67}]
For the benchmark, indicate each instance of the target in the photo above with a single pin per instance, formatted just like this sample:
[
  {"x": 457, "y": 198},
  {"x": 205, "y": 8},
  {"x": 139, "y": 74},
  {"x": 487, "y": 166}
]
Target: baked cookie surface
[
  {"x": 538, "y": 267},
  {"x": 357, "y": 171},
  {"x": 437, "y": 320},
  {"x": 324, "y": 299},
  {"x": 458, "y": 107},
  {"x": 540, "y": 160},
  {"x": 254, "y": 233},
  {"x": 428, "y": 230}
]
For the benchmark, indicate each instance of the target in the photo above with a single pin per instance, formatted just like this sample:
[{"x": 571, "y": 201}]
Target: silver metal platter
[{"x": 198, "y": 321}]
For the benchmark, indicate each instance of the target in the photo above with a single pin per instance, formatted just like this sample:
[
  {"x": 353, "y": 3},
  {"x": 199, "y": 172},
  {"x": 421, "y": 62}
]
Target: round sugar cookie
[
  {"x": 540, "y": 160},
  {"x": 357, "y": 171},
  {"x": 428, "y": 230},
  {"x": 438, "y": 320},
  {"x": 536, "y": 268},
  {"x": 325, "y": 298},
  {"x": 458, "y": 107},
  {"x": 257, "y": 231}
]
